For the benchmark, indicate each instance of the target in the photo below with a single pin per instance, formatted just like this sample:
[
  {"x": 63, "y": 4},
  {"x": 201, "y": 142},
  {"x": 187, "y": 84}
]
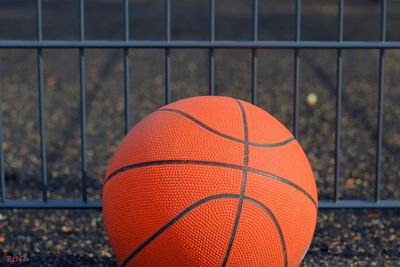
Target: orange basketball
[{"x": 209, "y": 181}]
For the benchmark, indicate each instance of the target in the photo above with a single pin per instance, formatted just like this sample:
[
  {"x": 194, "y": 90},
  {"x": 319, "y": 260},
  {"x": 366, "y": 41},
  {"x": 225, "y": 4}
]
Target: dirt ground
[{"x": 343, "y": 237}]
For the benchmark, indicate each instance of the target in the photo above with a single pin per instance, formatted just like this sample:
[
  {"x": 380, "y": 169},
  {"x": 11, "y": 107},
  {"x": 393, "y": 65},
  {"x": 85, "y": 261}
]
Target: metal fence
[{"x": 212, "y": 44}]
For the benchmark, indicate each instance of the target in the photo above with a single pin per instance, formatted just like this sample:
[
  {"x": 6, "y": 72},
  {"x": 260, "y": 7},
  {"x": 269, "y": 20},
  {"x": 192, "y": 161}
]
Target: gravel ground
[
  {"x": 343, "y": 237},
  {"x": 72, "y": 238}
]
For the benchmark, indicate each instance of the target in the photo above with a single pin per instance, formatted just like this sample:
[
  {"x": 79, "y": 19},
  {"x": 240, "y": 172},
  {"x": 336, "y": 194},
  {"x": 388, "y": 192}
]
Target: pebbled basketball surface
[{"x": 209, "y": 181}]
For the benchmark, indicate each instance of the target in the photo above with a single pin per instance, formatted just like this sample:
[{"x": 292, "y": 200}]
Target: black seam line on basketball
[
  {"x": 281, "y": 143},
  {"x": 283, "y": 180},
  {"x": 243, "y": 187},
  {"x": 215, "y": 164},
  {"x": 278, "y": 227},
  {"x": 173, "y": 221}
]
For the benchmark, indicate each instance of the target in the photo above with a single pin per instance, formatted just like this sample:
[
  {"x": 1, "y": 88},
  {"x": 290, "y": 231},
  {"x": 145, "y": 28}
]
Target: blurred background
[{"x": 77, "y": 237}]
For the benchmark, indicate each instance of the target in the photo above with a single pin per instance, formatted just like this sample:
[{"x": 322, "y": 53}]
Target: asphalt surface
[{"x": 343, "y": 237}]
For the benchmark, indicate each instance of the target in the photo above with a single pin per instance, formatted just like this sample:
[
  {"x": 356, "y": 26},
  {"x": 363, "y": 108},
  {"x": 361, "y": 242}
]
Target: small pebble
[
  {"x": 66, "y": 229},
  {"x": 106, "y": 254},
  {"x": 373, "y": 215},
  {"x": 51, "y": 81}
]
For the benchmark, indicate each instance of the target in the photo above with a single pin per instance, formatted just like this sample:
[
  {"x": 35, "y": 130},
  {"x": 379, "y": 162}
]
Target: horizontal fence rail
[
  {"x": 96, "y": 204},
  {"x": 211, "y": 44},
  {"x": 201, "y": 44}
]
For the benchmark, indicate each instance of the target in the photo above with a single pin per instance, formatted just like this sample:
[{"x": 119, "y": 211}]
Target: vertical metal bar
[
  {"x": 126, "y": 20},
  {"x": 39, "y": 19},
  {"x": 211, "y": 72},
  {"x": 167, "y": 52},
  {"x": 43, "y": 157},
  {"x": 298, "y": 20},
  {"x": 211, "y": 51},
  {"x": 296, "y": 73},
  {"x": 296, "y": 94},
  {"x": 83, "y": 102},
  {"x": 380, "y": 105},
  {"x": 126, "y": 66},
  {"x": 339, "y": 79},
  {"x": 254, "y": 69},
  {"x": 2, "y": 173}
]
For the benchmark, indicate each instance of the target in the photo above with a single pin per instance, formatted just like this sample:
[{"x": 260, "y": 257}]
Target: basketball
[{"x": 209, "y": 181}]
